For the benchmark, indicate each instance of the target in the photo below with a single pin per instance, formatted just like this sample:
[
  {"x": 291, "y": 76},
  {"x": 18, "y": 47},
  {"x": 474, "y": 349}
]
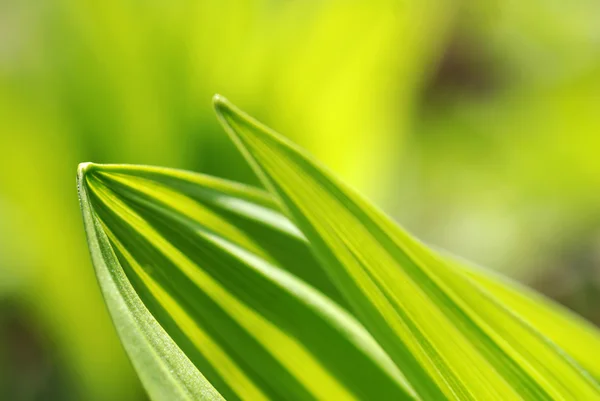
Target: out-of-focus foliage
[
  {"x": 513, "y": 128},
  {"x": 507, "y": 137}
]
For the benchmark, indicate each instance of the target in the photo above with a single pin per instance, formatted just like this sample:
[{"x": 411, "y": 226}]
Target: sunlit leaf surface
[
  {"x": 309, "y": 292},
  {"x": 446, "y": 334},
  {"x": 204, "y": 257}
]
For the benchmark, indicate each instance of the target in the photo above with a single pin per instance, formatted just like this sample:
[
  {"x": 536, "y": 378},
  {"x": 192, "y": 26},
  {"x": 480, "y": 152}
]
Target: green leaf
[
  {"x": 201, "y": 259},
  {"x": 217, "y": 294},
  {"x": 579, "y": 338},
  {"x": 450, "y": 337},
  {"x": 163, "y": 368}
]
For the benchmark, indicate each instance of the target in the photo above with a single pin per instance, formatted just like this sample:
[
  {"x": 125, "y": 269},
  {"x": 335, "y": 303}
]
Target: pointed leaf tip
[
  {"x": 246, "y": 131},
  {"x": 226, "y": 111},
  {"x": 83, "y": 168},
  {"x": 218, "y": 100},
  {"x": 86, "y": 168}
]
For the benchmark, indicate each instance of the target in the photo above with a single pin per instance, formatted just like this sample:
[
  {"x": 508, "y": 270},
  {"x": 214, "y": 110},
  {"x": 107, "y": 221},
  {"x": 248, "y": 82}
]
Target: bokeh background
[{"x": 475, "y": 123}]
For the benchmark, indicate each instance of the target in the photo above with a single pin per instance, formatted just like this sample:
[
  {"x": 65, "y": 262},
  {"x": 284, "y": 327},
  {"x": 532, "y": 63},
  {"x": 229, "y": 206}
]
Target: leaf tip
[
  {"x": 219, "y": 101},
  {"x": 230, "y": 117},
  {"x": 224, "y": 109},
  {"x": 83, "y": 169}
]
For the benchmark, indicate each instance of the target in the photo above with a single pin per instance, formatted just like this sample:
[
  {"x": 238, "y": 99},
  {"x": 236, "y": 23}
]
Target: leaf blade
[
  {"x": 138, "y": 232},
  {"x": 143, "y": 338},
  {"x": 373, "y": 261}
]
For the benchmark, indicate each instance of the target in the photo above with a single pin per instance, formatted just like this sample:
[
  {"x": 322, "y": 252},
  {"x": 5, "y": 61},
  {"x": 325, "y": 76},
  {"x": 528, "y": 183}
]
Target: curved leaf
[
  {"x": 163, "y": 368},
  {"x": 254, "y": 330},
  {"x": 216, "y": 294},
  {"x": 450, "y": 337}
]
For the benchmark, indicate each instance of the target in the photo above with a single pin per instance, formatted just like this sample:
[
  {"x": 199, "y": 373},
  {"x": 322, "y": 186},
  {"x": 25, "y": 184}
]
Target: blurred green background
[{"x": 475, "y": 123}]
